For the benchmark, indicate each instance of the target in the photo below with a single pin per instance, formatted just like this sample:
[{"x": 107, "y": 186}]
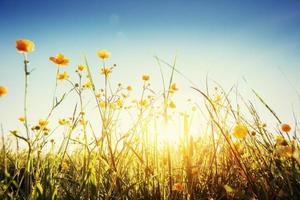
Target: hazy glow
[{"x": 228, "y": 42}]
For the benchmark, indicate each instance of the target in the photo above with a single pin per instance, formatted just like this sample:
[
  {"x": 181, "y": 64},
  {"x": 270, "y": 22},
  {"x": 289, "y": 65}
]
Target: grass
[{"x": 235, "y": 156}]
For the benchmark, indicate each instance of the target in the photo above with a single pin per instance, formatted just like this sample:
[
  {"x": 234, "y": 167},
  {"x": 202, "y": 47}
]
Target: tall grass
[{"x": 235, "y": 156}]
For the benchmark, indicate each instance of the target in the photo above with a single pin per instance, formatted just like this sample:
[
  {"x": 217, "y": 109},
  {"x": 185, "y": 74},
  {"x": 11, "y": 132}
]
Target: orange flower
[
  {"x": 103, "y": 54},
  {"x": 285, "y": 128},
  {"x": 178, "y": 187},
  {"x": 240, "y": 131},
  {"x": 24, "y": 46},
  {"x": 60, "y": 60},
  {"x": 3, "y": 91}
]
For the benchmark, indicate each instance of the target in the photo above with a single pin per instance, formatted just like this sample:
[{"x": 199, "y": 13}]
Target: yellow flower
[
  {"x": 24, "y": 46},
  {"x": 228, "y": 188},
  {"x": 120, "y": 103},
  {"x": 143, "y": 103},
  {"x": 60, "y": 60},
  {"x": 238, "y": 147},
  {"x": 43, "y": 122},
  {"x": 103, "y": 54},
  {"x": 81, "y": 67},
  {"x": 3, "y": 91},
  {"x": 22, "y": 119},
  {"x": 217, "y": 99},
  {"x": 63, "y": 122},
  {"x": 129, "y": 88},
  {"x": 83, "y": 122},
  {"x": 102, "y": 104},
  {"x": 62, "y": 76},
  {"x": 99, "y": 94},
  {"x": 240, "y": 131},
  {"x": 112, "y": 106},
  {"x": 88, "y": 84},
  {"x": 146, "y": 77},
  {"x": 285, "y": 128},
  {"x": 172, "y": 104},
  {"x": 173, "y": 87},
  {"x": 178, "y": 187},
  {"x": 106, "y": 71}
]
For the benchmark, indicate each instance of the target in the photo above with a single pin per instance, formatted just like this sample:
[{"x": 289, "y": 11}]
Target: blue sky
[{"x": 227, "y": 40}]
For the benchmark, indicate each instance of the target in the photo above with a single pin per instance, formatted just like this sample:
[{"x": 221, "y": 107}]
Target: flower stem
[{"x": 26, "y": 61}]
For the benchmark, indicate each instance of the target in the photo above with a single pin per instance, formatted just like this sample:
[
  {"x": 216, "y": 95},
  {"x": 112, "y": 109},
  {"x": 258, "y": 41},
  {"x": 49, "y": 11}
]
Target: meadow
[{"x": 236, "y": 155}]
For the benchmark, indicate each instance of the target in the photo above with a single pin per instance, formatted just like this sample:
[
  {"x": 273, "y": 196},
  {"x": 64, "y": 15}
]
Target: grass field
[{"x": 235, "y": 155}]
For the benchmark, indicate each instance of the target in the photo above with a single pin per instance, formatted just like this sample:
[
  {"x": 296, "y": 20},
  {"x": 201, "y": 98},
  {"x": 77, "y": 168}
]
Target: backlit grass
[{"x": 144, "y": 148}]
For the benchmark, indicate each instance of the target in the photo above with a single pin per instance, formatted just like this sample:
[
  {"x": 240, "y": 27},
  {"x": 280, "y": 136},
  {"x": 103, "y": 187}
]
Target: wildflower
[
  {"x": 178, "y": 187},
  {"x": 238, "y": 147},
  {"x": 112, "y": 106},
  {"x": 37, "y": 127},
  {"x": 43, "y": 123},
  {"x": 173, "y": 87},
  {"x": 146, "y": 77},
  {"x": 281, "y": 141},
  {"x": 3, "y": 91},
  {"x": 62, "y": 122},
  {"x": 172, "y": 104},
  {"x": 285, "y": 128},
  {"x": 62, "y": 76},
  {"x": 129, "y": 88},
  {"x": 24, "y": 46},
  {"x": 285, "y": 151},
  {"x": 81, "y": 67},
  {"x": 99, "y": 94},
  {"x": 143, "y": 103},
  {"x": 106, "y": 71},
  {"x": 103, "y": 54},
  {"x": 22, "y": 119},
  {"x": 240, "y": 131},
  {"x": 83, "y": 122},
  {"x": 120, "y": 103},
  {"x": 217, "y": 99},
  {"x": 228, "y": 188},
  {"x": 60, "y": 60},
  {"x": 102, "y": 104},
  {"x": 46, "y": 130},
  {"x": 88, "y": 84}
]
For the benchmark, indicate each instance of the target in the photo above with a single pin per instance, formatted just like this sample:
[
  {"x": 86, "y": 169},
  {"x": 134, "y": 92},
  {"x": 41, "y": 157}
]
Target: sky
[{"x": 252, "y": 43}]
